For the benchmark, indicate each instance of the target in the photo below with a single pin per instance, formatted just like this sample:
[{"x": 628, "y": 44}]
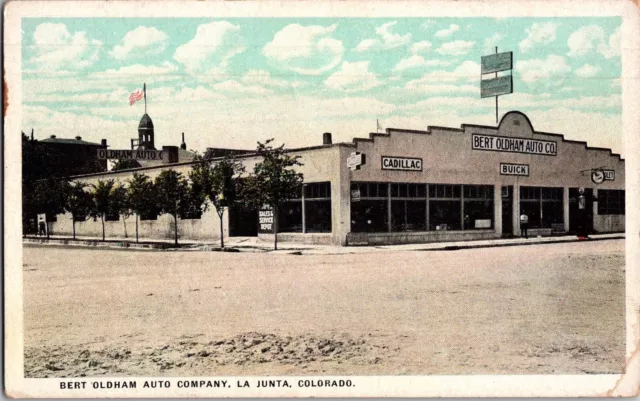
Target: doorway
[
  {"x": 507, "y": 211},
  {"x": 579, "y": 218}
]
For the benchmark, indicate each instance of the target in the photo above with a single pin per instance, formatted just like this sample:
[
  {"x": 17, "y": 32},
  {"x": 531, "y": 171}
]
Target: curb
[
  {"x": 471, "y": 246},
  {"x": 208, "y": 248}
]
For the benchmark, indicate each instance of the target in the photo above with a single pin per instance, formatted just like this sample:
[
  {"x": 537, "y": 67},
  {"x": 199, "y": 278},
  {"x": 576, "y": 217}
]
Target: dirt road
[{"x": 534, "y": 309}]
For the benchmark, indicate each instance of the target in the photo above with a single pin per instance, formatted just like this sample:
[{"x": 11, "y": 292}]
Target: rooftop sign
[
  {"x": 513, "y": 145},
  {"x": 128, "y": 154},
  {"x": 496, "y": 86},
  {"x": 496, "y": 62}
]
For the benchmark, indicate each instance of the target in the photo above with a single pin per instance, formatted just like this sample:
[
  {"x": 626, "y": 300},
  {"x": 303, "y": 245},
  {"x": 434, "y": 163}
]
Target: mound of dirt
[{"x": 243, "y": 350}]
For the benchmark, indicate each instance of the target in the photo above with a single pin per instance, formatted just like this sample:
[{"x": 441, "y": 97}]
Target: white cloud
[
  {"x": 616, "y": 83},
  {"x": 537, "y": 70},
  {"x": 415, "y": 61},
  {"x": 421, "y": 47},
  {"x": 237, "y": 87},
  {"x": 443, "y": 33},
  {"x": 612, "y": 47},
  {"x": 57, "y": 48},
  {"x": 353, "y": 77},
  {"x": 593, "y": 38},
  {"x": 491, "y": 42},
  {"x": 456, "y": 48},
  {"x": 211, "y": 47},
  {"x": 388, "y": 39},
  {"x": 587, "y": 71},
  {"x": 264, "y": 78},
  {"x": 142, "y": 41},
  {"x": 137, "y": 70},
  {"x": 427, "y": 24},
  {"x": 538, "y": 34},
  {"x": 410, "y": 62},
  {"x": 196, "y": 94},
  {"x": 468, "y": 71},
  {"x": 307, "y": 50}
]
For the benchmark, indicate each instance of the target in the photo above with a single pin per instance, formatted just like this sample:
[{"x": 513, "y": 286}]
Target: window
[
  {"x": 317, "y": 210},
  {"x": 444, "y": 215},
  {"x": 542, "y": 205},
  {"x": 444, "y": 191},
  {"x": 317, "y": 190},
  {"x": 80, "y": 217},
  {"x": 290, "y": 217},
  {"x": 317, "y": 207},
  {"x": 368, "y": 215},
  {"x": 317, "y": 216},
  {"x": 478, "y": 207},
  {"x": 611, "y": 201},
  {"x": 51, "y": 218}
]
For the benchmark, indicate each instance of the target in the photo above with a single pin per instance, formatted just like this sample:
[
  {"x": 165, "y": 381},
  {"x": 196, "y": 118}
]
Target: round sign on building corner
[{"x": 597, "y": 176}]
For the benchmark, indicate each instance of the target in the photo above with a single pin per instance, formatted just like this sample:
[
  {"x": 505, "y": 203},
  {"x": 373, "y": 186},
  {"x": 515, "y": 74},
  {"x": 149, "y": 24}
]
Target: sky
[{"x": 231, "y": 82}]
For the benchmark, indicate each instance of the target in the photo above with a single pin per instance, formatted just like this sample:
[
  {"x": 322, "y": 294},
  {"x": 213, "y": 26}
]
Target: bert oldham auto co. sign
[
  {"x": 129, "y": 154},
  {"x": 401, "y": 163}
]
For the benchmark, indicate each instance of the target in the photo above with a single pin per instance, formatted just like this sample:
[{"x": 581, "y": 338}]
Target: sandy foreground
[{"x": 532, "y": 309}]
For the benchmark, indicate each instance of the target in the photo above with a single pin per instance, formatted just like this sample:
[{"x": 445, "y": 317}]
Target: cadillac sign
[{"x": 401, "y": 163}]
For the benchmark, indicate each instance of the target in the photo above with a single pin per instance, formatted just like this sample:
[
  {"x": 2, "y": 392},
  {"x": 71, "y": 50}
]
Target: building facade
[{"x": 408, "y": 186}]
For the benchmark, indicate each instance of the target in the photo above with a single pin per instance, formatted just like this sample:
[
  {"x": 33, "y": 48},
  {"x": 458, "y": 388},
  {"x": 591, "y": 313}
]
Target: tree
[
  {"x": 214, "y": 183},
  {"x": 172, "y": 196},
  {"x": 273, "y": 181},
  {"x": 78, "y": 202},
  {"x": 120, "y": 205},
  {"x": 49, "y": 198},
  {"x": 102, "y": 200},
  {"x": 141, "y": 196}
]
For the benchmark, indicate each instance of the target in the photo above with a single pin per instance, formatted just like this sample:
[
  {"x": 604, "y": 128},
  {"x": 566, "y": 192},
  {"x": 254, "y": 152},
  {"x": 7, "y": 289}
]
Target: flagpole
[{"x": 144, "y": 89}]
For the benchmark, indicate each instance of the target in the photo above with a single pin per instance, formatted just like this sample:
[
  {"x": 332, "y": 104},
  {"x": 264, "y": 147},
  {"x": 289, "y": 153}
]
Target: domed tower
[{"x": 145, "y": 133}]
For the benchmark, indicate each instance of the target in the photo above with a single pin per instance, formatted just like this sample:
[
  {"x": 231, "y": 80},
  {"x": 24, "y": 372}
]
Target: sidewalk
[{"x": 253, "y": 244}]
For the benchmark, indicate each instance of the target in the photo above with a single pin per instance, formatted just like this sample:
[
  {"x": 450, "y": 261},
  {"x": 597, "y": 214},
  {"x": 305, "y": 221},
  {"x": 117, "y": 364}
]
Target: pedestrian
[
  {"x": 524, "y": 225},
  {"x": 42, "y": 229}
]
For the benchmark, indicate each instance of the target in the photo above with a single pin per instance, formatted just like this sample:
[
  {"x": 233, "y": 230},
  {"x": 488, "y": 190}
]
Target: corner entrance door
[
  {"x": 507, "y": 211},
  {"x": 579, "y": 218}
]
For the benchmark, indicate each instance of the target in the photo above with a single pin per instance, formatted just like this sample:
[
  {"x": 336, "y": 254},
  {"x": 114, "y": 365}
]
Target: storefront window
[
  {"x": 444, "y": 215},
  {"x": 611, "y": 201},
  {"x": 317, "y": 204},
  {"x": 478, "y": 207},
  {"x": 318, "y": 216},
  {"x": 290, "y": 217},
  {"x": 542, "y": 205},
  {"x": 368, "y": 215}
]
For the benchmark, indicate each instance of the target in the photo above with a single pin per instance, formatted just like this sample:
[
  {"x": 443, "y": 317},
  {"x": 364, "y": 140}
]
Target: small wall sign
[
  {"x": 265, "y": 219},
  {"x": 597, "y": 176},
  {"x": 514, "y": 169},
  {"x": 401, "y": 163},
  {"x": 355, "y": 160},
  {"x": 609, "y": 175}
]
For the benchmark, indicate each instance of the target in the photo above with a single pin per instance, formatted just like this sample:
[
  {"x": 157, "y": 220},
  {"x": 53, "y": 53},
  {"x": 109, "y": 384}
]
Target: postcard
[{"x": 332, "y": 199}]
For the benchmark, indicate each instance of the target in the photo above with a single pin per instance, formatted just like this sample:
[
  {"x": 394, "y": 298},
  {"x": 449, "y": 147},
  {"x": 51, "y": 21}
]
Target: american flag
[{"x": 135, "y": 96}]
